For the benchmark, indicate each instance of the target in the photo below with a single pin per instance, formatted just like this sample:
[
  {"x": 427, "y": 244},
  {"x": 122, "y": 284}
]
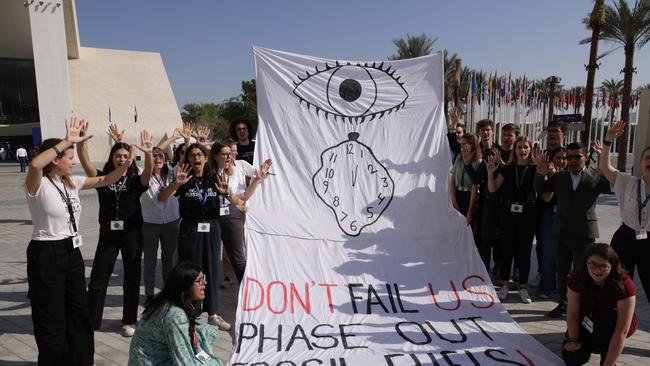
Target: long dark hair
[
  {"x": 109, "y": 167},
  {"x": 165, "y": 168},
  {"x": 48, "y": 144},
  {"x": 214, "y": 150},
  {"x": 177, "y": 154},
  {"x": 177, "y": 285},
  {"x": 208, "y": 173},
  {"x": 614, "y": 280}
]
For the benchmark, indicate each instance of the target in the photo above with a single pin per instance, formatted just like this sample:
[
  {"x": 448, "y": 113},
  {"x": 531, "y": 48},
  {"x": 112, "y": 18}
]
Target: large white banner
[{"x": 355, "y": 256}]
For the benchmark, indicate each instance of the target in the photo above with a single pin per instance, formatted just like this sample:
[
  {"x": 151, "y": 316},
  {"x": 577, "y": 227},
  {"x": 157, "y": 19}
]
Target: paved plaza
[{"x": 17, "y": 346}]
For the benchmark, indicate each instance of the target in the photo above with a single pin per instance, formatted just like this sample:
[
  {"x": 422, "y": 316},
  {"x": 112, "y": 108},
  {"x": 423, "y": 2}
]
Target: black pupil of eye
[{"x": 350, "y": 90}]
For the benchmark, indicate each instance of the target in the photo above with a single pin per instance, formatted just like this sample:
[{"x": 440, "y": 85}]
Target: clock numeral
[
  {"x": 369, "y": 211},
  {"x": 329, "y": 173},
  {"x": 333, "y": 158},
  {"x": 336, "y": 202},
  {"x": 380, "y": 198},
  {"x": 371, "y": 169},
  {"x": 348, "y": 149},
  {"x": 344, "y": 217},
  {"x": 354, "y": 175},
  {"x": 385, "y": 180},
  {"x": 327, "y": 186},
  {"x": 353, "y": 226}
]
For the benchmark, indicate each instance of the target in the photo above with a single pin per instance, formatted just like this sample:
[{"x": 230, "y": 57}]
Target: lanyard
[
  {"x": 66, "y": 199},
  {"x": 119, "y": 187},
  {"x": 160, "y": 182},
  {"x": 641, "y": 204},
  {"x": 523, "y": 176}
]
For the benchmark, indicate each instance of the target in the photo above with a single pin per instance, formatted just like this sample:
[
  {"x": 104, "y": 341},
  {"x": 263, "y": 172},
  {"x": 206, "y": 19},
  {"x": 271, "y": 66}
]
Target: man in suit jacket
[{"x": 575, "y": 227}]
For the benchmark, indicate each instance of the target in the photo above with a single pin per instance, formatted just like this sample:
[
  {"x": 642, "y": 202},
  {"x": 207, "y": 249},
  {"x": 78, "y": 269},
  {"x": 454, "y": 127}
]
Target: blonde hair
[{"x": 48, "y": 144}]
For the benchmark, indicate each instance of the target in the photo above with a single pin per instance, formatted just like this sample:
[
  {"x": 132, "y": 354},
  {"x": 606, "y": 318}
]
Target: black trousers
[
  {"x": 604, "y": 325},
  {"x": 203, "y": 249},
  {"x": 517, "y": 231},
  {"x": 23, "y": 164},
  {"x": 232, "y": 236},
  {"x": 57, "y": 291},
  {"x": 488, "y": 230},
  {"x": 633, "y": 253},
  {"x": 128, "y": 242},
  {"x": 568, "y": 251}
]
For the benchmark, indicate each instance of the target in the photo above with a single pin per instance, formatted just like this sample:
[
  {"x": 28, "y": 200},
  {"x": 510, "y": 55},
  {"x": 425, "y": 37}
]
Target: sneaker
[
  {"x": 225, "y": 283},
  {"x": 218, "y": 321},
  {"x": 127, "y": 330},
  {"x": 558, "y": 312},
  {"x": 525, "y": 297},
  {"x": 502, "y": 292},
  {"x": 543, "y": 295}
]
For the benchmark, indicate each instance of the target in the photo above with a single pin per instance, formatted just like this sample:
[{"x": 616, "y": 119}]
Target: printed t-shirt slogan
[{"x": 355, "y": 255}]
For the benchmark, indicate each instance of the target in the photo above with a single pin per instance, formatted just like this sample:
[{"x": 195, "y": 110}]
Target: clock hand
[{"x": 354, "y": 175}]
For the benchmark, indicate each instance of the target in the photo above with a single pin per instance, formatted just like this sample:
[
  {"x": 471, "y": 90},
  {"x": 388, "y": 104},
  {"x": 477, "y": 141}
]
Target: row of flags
[
  {"x": 496, "y": 90},
  {"x": 135, "y": 114}
]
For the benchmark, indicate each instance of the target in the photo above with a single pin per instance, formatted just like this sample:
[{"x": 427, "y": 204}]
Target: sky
[{"x": 206, "y": 45}]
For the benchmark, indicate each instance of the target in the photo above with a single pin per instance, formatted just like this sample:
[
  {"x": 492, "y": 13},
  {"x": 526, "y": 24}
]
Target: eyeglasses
[
  {"x": 160, "y": 156},
  {"x": 602, "y": 267},
  {"x": 197, "y": 155},
  {"x": 201, "y": 280},
  {"x": 574, "y": 157}
]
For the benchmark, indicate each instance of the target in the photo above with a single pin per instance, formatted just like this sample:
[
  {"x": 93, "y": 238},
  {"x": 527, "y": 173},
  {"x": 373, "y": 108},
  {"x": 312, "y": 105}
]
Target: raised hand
[
  {"x": 264, "y": 168},
  {"x": 222, "y": 184},
  {"x": 183, "y": 174},
  {"x": 75, "y": 131},
  {"x": 115, "y": 133},
  {"x": 597, "y": 146},
  {"x": 177, "y": 133},
  {"x": 146, "y": 146},
  {"x": 491, "y": 164},
  {"x": 615, "y": 131},
  {"x": 541, "y": 161},
  {"x": 454, "y": 116},
  {"x": 497, "y": 156},
  {"x": 202, "y": 134},
  {"x": 186, "y": 133}
]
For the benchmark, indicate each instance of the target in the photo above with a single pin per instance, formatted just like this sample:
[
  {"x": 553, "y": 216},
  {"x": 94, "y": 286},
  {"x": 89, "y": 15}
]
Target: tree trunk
[
  {"x": 621, "y": 149},
  {"x": 597, "y": 15}
]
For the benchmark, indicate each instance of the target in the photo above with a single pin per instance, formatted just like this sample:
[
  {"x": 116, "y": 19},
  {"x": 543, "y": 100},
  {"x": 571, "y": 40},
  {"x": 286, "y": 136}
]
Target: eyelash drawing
[{"x": 354, "y": 92}]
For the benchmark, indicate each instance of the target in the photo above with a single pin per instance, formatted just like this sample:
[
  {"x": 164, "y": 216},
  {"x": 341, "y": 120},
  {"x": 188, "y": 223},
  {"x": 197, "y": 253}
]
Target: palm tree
[
  {"x": 595, "y": 21},
  {"x": 630, "y": 28},
  {"x": 450, "y": 64},
  {"x": 413, "y": 46},
  {"x": 613, "y": 88},
  {"x": 644, "y": 87}
]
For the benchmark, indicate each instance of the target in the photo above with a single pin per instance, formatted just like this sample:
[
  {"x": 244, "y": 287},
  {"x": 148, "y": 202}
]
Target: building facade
[{"x": 46, "y": 77}]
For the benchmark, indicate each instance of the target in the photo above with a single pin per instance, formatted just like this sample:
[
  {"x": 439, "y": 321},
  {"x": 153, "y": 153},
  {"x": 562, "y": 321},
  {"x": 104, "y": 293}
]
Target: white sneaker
[
  {"x": 502, "y": 292},
  {"x": 525, "y": 297},
  {"x": 127, "y": 330},
  {"x": 218, "y": 321}
]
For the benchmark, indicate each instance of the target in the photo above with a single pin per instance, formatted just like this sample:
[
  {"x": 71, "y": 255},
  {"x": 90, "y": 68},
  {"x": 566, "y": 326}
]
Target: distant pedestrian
[
  {"x": 21, "y": 156},
  {"x": 242, "y": 131}
]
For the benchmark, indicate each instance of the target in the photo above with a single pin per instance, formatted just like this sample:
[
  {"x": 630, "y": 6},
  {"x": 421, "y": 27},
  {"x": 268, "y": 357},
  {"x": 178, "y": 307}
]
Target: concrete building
[{"x": 46, "y": 76}]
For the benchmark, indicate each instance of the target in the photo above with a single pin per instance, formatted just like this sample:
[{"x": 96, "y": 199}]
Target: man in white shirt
[{"x": 21, "y": 156}]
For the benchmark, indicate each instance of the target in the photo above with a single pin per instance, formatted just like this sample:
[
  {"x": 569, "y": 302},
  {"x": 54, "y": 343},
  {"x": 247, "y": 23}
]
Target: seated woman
[
  {"x": 168, "y": 333},
  {"x": 600, "y": 314}
]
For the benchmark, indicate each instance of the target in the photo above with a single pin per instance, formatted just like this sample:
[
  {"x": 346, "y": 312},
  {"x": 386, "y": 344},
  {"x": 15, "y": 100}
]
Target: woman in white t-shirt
[
  {"x": 161, "y": 220},
  {"x": 231, "y": 217},
  {"x": 55, "y": 268},
  {"x": 630, "y": 241}
]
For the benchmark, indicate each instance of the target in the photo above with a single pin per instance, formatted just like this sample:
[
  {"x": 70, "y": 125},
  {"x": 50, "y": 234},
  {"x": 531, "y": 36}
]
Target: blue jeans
[{"x": 546, "y": 240}]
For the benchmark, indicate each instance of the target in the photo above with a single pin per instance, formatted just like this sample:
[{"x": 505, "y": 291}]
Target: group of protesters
[
  {"x": 514, "y": 193},
  {"x": 511, "y": 193},
  {"x": 190, "y": 205}
]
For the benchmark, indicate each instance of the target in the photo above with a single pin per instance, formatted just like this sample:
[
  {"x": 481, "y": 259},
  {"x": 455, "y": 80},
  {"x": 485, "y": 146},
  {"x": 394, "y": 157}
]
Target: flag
[{"x": 135, "y": 114}]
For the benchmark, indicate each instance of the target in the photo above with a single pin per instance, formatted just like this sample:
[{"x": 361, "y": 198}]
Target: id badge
[
  {"x": 202, "y": 356},
  {"x": 588, "y": 324},
  {"x": 77, "y": 241},
  {"x": 516, "y": 208},
  {"x": 641, "y": 234},
  {"x": 203, "y": 227},
  {"x": 224, "y": 211},
  {"x": 117, "y": 225}
]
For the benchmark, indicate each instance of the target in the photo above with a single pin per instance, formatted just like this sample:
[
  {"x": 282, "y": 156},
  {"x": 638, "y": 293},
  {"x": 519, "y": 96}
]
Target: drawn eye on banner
[
  {"x": 352, "y": 92},
  {"x": 351, "y": 181}
]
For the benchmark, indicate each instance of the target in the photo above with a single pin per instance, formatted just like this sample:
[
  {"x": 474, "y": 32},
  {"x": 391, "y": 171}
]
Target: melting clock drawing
[{"x": 351, "y": 181}]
